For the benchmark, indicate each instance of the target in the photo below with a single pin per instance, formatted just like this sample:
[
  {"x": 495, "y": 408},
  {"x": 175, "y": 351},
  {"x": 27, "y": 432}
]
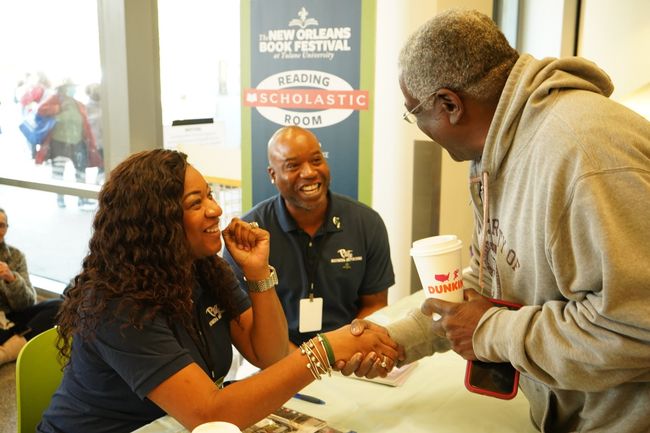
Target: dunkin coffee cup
[{"x": 438, "y": 261}]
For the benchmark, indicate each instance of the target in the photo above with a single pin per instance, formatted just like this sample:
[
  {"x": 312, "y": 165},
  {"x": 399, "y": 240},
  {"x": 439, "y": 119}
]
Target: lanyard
[
  {"x": 311, "y": 264},
  {"x": 309, "y": 252}
]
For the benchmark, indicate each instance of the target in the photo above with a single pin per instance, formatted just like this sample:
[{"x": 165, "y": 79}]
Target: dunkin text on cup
[{"x": 449, "y": 282}]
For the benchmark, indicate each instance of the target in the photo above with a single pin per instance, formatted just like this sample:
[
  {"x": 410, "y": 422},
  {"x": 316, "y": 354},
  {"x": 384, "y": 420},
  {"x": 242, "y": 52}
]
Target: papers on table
[{"x": 395, "y": 378}]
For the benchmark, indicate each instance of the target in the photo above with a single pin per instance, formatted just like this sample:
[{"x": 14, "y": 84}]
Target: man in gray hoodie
[{"x": 560, "y": 182}]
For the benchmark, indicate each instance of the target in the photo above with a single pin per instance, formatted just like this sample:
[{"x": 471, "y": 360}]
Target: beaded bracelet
[
  {"x": 321, "y": 357},
  {"x": 328, "y": 348},
  {"x": 316, "y": 360},
  {"x": 311, "y": 365},
  {"x": 314, "y": 365}
]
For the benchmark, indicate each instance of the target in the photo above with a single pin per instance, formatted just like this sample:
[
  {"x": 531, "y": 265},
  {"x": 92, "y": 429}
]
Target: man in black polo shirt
[{"x": 330, "y": 251}]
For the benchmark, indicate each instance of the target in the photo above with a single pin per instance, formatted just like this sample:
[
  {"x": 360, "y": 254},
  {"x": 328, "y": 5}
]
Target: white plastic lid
[
  {"x": 435, "y": 245},
  {"x": 216, "y": 427}
]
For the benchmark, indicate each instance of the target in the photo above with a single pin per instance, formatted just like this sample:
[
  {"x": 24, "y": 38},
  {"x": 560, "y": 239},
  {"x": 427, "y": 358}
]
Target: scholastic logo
[{"x": 306, "y": 98}]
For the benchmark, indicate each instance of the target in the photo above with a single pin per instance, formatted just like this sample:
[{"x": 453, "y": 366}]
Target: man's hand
[
  {"x": 6, "y": 273},
  {"x": 459, "y": 320},
  {"x": 370, "y": 366}
]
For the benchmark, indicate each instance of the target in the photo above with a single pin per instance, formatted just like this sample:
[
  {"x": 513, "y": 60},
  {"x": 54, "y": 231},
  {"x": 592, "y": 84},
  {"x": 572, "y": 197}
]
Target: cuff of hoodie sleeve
[
  {"x": 416, "y": 334},
  {"x": 491, "y": 339}
]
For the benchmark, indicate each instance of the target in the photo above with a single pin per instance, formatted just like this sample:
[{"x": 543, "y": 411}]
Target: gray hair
[{"x": 461, "y": 50}]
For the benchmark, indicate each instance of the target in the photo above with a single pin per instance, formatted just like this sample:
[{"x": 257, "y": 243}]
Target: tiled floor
[{"x": 8, "y": 398}]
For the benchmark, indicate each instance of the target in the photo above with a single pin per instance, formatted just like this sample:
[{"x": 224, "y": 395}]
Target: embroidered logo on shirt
[
  {"x": 347, "y": 256},
  {"x": 216, "y": 314}
]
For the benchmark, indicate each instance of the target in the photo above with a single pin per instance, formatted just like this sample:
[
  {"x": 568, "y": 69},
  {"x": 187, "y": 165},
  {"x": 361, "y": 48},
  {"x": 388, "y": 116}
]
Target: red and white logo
[
  {"x": 306, "y": 98},
  {"x": 449, "y": 282}
]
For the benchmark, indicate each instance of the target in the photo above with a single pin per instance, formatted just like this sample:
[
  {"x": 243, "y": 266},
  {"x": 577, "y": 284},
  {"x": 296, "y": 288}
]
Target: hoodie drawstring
[{"x": 483, "y": 183}]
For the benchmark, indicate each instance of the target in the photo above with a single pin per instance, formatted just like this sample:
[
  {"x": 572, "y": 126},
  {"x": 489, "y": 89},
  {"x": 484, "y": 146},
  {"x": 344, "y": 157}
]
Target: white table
[{"x": 433, "y": 399}]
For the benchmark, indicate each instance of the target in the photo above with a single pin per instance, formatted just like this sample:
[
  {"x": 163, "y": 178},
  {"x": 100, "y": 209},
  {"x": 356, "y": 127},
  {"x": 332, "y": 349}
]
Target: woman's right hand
[
  {"x": 345, "y": 345},
  {"x": 248, "y": 245}
]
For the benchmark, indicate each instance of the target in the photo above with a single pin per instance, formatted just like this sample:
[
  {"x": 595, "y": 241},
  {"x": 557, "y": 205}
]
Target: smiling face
[
  {"x": 299, "y": 169},
  {"x": 200, "y": 215}
]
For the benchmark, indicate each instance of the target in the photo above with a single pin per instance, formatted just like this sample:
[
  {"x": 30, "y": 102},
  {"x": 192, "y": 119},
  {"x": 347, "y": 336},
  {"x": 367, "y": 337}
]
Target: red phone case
[
  {"x": 504, "y": 396},
  {"x": 470, "y": 365},
  {"x": 509, "y": 304}
]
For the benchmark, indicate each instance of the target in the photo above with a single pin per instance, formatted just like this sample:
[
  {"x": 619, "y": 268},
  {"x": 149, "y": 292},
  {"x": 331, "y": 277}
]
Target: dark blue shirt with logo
[
  {"x": 348, "y": 257},
  {"x": 105, "y": 385}
]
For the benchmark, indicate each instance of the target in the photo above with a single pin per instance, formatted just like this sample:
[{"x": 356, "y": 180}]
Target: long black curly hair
[{"x": 139, "y": 258}]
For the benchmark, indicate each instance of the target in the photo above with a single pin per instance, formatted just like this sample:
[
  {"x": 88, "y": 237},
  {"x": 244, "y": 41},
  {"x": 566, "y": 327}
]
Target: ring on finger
[
  {"x": 384, "y": 362},
  {"x": 254, "y": 225}
]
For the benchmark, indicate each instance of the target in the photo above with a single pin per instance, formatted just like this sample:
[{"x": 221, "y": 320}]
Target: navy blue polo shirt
[
  {"x": 348, "y": 257},
  {"x": 104, "y": 387}
]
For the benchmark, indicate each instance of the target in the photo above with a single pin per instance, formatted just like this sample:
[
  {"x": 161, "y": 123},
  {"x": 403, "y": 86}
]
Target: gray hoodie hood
[{"x": 525, "y": 95}]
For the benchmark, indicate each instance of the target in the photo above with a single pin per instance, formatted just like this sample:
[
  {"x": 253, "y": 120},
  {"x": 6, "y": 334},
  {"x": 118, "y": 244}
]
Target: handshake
[
  {"x": 367, "y": 350},
  {"x": 364, "y": 349}
]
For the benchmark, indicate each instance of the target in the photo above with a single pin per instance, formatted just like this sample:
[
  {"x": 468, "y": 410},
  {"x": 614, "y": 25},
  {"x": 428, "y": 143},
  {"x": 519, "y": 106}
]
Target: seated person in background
[
  {"x": 331, "y": 252},
  {"x": 21, "y": 317},
  {"x": 149, "y": 323}
]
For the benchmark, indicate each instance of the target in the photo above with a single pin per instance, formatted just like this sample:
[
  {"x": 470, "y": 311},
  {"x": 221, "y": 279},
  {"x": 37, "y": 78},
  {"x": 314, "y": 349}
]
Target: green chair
[{"x": 38, "y": 375}]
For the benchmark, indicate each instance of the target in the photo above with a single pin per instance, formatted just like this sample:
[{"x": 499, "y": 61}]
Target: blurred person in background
[
  {"x": 30, "y": 93},
  {"x": 94, "y": 112},
  {"x": 71, "y": 139},
  {"x": 33, "y": 91},
  {"x": 21, "y": 316}
]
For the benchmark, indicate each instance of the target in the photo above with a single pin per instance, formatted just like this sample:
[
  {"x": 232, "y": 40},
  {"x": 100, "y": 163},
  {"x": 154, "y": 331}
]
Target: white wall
[
  {"x": 393, "y": 146},
  {"x": 393, "y": 149}
]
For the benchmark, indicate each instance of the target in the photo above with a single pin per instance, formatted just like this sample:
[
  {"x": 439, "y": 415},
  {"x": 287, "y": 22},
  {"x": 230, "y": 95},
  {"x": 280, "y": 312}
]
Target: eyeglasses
[
  {"x": 3, "y": 226},
  {"x": 410, "y": 115}
]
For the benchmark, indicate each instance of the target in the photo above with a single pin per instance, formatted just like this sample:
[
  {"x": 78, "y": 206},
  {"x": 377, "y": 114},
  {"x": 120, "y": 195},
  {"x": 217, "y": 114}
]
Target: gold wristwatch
[{"x": 265, "y": 284}]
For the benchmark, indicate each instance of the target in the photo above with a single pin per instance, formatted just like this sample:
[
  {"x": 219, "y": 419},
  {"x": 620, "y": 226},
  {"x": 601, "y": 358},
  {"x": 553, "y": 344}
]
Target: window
[
  {"x": 200, "y": 91},
  {"x": 59, "y": 42},
  {"x": 50, "y": 58}
]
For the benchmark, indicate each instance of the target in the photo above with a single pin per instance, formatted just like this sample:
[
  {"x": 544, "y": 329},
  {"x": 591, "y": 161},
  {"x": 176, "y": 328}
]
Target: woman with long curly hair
[{"x": 149, "y": 323}]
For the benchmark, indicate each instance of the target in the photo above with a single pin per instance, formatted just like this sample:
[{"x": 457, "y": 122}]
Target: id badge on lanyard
[
  {"x": 311, "y": 314},
  {"x": 311, "y": 308}
]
